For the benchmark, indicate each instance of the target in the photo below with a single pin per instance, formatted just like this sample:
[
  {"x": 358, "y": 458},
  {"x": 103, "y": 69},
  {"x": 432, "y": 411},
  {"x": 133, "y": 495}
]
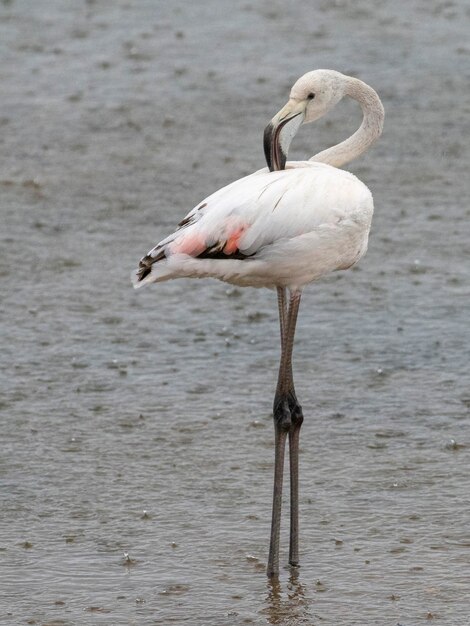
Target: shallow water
[{"x": 139, "y": 423}]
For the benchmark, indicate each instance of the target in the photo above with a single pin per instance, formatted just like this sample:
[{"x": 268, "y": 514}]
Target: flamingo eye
[{"x": 311, "y": 96}]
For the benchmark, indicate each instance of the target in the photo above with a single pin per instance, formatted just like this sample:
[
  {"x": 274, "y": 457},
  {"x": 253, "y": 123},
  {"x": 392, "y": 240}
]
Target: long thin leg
[
  {"x": 280, "y": 426},
  {"x": 294, "y": 436},
  {"x": 284, "y": 397},
  {"x": 282, "y": 304},
  {"x": 279, "y": 449},
  {"x": 285, "y": 384}
]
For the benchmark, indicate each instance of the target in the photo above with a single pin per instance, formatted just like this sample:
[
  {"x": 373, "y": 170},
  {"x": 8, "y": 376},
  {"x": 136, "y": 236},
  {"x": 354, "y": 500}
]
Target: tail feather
[{"x": 145, "y": 273}]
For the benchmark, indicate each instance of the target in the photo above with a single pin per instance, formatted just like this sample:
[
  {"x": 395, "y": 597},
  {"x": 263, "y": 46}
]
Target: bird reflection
[{"x": 290, "y": 608}]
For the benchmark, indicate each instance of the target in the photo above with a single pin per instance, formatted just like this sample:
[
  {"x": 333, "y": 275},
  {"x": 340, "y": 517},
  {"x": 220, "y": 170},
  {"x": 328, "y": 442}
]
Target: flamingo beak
[{"x": 279, "y": 133}]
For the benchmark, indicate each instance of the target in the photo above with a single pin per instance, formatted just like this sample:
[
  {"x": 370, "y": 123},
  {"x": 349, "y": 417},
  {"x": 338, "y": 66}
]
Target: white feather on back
[{"x": 278, "y": 211}]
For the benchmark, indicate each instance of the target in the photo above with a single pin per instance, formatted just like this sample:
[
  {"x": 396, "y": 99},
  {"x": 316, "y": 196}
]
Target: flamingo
[{"x": 282, "y": 227}]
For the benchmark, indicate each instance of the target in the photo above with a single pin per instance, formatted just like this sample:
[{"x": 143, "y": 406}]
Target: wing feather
[{"x": 251, "y": 213}]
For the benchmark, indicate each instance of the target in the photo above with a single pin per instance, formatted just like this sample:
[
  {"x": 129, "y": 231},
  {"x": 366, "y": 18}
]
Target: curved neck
[{"x": 365, "y": 135}]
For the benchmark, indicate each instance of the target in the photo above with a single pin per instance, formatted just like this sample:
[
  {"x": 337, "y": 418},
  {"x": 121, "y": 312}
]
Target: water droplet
[{"x": 454, "y": 445}]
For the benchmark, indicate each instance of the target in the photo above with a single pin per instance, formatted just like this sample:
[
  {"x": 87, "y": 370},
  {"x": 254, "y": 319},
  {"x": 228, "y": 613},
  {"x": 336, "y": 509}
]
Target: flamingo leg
[
  {"x": 287, "y": 421},
  {"x": 280, "y": 445},
  {"x": 294, "y": 436},
  {"x": 282, "y": 304}
]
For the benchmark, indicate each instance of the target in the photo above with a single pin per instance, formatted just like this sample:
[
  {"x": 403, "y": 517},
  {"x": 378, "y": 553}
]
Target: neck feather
[{"x": 366, "y": 134}]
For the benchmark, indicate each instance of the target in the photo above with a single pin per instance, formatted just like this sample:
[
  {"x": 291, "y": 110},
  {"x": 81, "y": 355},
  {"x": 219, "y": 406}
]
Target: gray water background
[{"x": 116, "y": 118}]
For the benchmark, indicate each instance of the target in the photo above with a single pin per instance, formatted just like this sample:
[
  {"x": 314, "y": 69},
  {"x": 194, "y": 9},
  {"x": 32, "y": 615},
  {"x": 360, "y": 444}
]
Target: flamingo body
[{"x": 270, "y": 229}]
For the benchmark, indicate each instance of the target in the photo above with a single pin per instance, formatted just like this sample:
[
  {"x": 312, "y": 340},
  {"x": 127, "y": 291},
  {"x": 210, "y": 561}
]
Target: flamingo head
[{"x": 312, "y": 95}]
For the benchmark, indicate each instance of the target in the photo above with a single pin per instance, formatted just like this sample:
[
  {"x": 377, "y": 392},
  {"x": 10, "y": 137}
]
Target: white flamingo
[{"x": 282, "y": 228}]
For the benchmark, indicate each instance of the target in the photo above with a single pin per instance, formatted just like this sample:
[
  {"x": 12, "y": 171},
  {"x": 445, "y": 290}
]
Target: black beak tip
[
  {"x": 268, "y": 145},
  {"x": 273, "y": 152}
]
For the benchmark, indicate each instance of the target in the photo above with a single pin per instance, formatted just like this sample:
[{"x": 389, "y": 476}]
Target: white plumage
[{"x": 293, "y": 225}]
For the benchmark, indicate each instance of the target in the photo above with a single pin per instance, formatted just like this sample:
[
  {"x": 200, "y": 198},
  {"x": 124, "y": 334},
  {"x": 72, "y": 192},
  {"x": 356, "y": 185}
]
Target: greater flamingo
[{"x": 282, "y": 228}]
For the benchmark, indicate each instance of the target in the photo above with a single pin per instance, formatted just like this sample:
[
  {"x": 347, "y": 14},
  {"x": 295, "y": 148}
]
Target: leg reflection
[{"x": 290, "y": 607}]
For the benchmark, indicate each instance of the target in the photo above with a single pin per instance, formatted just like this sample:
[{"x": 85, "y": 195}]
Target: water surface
[{"x": 140, "y": 423}]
